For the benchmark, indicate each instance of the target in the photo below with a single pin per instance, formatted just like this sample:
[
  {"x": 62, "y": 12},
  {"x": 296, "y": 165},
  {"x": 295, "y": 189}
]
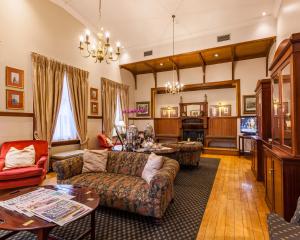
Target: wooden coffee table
[{"x": 16, "y": 222}]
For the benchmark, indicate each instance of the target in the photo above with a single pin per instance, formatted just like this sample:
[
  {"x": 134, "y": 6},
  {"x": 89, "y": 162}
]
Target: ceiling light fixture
[
  {"x": 216, "y": 55},
  {"x": 100, "y": 48},
  {"x": 161, "y": 64},
  {"x": 264, "y": 14},
  {"x": 174, "y": 86}
]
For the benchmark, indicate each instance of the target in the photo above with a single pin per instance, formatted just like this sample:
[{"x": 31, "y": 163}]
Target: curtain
[
  {"x": 109, "y": 105},
  {"x": 124, "y": 100},
  {"x": 78, "y": 88},
  {"x": 48, "y": 78}
]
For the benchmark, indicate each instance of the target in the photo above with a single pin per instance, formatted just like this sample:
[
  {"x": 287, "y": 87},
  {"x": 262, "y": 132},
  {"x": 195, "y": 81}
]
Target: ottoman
[{"x": 188, "y": 153}]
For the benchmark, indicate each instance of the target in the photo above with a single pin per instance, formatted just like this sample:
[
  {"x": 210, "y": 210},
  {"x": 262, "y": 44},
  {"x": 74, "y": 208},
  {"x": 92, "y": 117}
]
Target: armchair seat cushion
[
  {"x": 17, "y": 173},
  {"x": 119, "y": 191}
]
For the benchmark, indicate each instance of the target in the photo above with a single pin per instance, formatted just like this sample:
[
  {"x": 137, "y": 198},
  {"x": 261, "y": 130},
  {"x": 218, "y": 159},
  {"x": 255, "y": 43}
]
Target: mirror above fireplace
[{"x": 193, "y": 110}]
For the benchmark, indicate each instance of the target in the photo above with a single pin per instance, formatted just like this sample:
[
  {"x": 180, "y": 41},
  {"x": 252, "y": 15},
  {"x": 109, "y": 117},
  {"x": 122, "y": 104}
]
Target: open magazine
[{"x": 51, "y": 205}]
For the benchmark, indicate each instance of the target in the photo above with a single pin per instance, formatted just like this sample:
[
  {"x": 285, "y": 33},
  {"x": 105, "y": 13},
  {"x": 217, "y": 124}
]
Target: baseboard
[{"x": 221, "y": 151}]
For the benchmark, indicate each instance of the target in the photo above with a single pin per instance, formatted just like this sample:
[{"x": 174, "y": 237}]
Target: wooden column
[
  {"x": 233, "y": 63},
  {"x": 203, "y": 64},
  {"x": 155, "y": 79}
]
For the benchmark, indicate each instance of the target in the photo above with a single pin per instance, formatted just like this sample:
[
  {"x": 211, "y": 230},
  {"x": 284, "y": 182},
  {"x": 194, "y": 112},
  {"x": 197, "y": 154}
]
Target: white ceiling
[{"x": 138, "y": 23}]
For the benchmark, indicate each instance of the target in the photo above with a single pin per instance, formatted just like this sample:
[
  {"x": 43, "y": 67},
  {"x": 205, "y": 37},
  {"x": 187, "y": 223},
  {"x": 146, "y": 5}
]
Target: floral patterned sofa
[{"x": 122, "y": 186}]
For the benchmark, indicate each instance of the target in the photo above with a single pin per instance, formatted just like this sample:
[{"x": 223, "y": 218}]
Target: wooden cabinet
[
  {"x": 263, "y": 108},
  {"x": 282, "y": 157},
  {"x": 257, "y": 165}
]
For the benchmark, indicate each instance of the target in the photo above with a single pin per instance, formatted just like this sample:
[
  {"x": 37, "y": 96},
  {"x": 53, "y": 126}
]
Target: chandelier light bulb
[
  {"x": 118, "y": 44},
  {"x": 107, "y": 34},
  {"x": 87, "y": 32},
  {"x": 81, "y": 39}
]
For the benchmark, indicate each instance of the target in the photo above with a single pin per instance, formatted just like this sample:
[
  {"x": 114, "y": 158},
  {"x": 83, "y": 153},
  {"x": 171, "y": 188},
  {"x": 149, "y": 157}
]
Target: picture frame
[
  {"x": 94, "y": 94},
  {"x": 14, "y": 99},
  {"x": 94, "y": 108},
  {"x": 214, "y": 111},
  {"x": 14, "y": 77},
  {"x": 249, "y": 104},
  {"x": 143, "y": 109},
  {"x": 195, "y": 113},
  {"x": 169, "y": 112},
  {"x": 225, "y": 110}
]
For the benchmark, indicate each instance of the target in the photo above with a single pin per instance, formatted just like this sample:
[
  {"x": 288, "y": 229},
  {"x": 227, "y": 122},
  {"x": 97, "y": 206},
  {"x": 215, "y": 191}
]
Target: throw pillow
[
  {"x": 296, "y": 218},
  {"x": 17, "y": 158},
  {"x": 154, "y": 163},
  {"x": 94, "y": 160}
]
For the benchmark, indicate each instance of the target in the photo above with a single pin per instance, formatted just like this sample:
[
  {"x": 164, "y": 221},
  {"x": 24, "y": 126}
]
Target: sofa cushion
[
  {"x": 153, "y": 164},
  {"x": 18, "y": 173},
  {"x": 125, "y": 192},
  {"x": 16, "y": 158},
  {"x": 94, "y": 161}
]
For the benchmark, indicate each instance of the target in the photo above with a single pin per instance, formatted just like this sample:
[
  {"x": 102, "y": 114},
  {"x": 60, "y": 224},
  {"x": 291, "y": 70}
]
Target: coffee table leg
[
  {"x": 93, "y": 225},
  {"x": 42, "y": 234}
]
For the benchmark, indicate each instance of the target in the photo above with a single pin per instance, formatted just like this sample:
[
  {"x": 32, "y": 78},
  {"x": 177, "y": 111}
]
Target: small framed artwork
[
  {"x": 249, "y": 104},
  {"x": 214, "y": 111},
  {"x": 94, "y": 108},
  {"x": 94, "y": 94},
  {"x": 14, "y": 78},
  {"x": 194, "y": 113},
  {"x": 169, "y": 112},
  {"x": 143, "y": 109},
  {"x": 14, "y": 99},
  {"x": 225, "y": 110}
]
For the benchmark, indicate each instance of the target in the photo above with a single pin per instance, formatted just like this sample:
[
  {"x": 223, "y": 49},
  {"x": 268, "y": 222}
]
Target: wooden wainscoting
[
  {"x": 222, "y": 129},
  {"x": 167, "y": 129}
]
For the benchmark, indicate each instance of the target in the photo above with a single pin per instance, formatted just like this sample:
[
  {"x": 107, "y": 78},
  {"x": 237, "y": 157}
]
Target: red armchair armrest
[
  {"x": 1, "y": 164},
  {"x": 42, "y": 162}
]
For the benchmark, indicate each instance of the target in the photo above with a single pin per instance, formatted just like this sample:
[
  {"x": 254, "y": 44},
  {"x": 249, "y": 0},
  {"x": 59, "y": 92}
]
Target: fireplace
[{"x": 194, "y": 129}]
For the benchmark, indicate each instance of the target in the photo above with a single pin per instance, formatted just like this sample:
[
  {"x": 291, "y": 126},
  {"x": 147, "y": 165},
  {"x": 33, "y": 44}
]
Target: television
[{"x": 248, "y": 125}]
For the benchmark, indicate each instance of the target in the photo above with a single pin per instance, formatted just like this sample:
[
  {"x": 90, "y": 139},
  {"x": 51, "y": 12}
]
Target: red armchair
[{"x": 27, "y": 176}]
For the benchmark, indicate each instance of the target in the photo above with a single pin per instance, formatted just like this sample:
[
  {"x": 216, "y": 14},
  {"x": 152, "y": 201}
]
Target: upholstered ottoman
[{"x": 188, "y": 153}]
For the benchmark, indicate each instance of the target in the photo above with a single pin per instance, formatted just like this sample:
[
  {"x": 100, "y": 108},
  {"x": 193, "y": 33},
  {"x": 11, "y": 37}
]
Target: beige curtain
[
  {"x": 124, "y": 100},
  {"x": 78, "y": 88},
  {"x": 109, "y": 105},
  {"x": 48, "y": 78}
]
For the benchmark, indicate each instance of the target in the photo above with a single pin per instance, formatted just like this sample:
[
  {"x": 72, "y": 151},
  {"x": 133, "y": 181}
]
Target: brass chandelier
[
  {"x": 173, "y": 87},
  {"x": 100, "y": 47}
]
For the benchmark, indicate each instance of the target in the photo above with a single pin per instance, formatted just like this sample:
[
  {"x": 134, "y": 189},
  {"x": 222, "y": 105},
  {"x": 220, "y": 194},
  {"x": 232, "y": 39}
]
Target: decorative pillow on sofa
[
  {"x": 94, "y": 160},
  {"x": 154, "y": 163},
  {"x": 16, "y": 158}
]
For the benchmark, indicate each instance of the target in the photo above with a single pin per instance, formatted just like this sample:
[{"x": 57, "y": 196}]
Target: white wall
[
  {"x": 288, "y": 19},
  {"x": 43, "y": 27}
]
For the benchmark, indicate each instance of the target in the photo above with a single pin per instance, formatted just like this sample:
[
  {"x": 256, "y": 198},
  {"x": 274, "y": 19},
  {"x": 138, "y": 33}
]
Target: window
[
  {"x": 65, "y": 128},
  {"x": 119, "y": 116}
]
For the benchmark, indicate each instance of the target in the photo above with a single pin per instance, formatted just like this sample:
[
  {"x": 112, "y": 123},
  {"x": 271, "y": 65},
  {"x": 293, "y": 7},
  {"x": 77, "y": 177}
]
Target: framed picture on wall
[
  {"x": 94, "y": 108},
  {"x": 94, "y": 94},
  {"x": 14, "y": 99},
  {"x": 169, "y": 112},
  {"x": 143, "y": 109},
  {"x": 225, "y": 110},
  {"x": 214, "y": 111},
  {"x": 249, "y": 104},
  {"x": 14, "y": 77}
]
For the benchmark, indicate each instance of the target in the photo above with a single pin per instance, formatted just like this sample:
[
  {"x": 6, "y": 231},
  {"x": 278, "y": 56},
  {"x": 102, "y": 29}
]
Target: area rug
[{"x": 181, "y": 221}]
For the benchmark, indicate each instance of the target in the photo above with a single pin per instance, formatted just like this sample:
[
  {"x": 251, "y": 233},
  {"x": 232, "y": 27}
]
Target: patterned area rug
[{"x": 181, "y": 221}]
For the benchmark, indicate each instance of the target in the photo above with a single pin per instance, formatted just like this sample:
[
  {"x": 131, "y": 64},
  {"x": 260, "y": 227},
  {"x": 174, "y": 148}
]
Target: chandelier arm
[{"x": 83, "y": 55}]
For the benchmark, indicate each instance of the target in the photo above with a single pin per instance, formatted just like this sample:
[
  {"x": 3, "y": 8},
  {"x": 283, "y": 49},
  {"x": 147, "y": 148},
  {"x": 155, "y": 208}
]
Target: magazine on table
[{"x": 48, "y": 204}]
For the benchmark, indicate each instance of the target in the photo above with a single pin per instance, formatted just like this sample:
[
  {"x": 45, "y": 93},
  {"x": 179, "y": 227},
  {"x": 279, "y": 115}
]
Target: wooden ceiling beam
[
  {"x": 233, "y": 62},
  {"x": 203, "y": 64}
]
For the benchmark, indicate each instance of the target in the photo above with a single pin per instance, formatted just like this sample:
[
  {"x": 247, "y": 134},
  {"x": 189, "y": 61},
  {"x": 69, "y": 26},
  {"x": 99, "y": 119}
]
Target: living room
[{"x": 153, "y": 119}]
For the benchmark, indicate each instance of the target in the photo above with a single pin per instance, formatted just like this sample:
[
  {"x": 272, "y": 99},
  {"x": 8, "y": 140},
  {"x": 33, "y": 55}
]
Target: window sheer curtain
[
  {"x": 65, "y": 125},
  {"x": 48, "y": 78},
  {"x": 124, "y": 101}
]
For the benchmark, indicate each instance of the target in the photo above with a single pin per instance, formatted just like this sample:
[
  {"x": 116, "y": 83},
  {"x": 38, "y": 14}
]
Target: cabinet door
[
  {"x": 269, "y": 180},
  {"x": 276, "y": 108},
  {"x": 286, "y": 105},
  {"x": 278, "y": 194}
]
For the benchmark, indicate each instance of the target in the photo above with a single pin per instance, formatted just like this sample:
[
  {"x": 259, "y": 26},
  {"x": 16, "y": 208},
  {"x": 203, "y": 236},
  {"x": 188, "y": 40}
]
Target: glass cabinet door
[
  {"x": 276, "y": 110},
  {"x": 286, "y": 105}
]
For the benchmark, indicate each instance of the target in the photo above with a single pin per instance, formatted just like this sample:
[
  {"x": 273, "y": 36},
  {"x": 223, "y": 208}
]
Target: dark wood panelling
[
  {"x": 240, "y": 51},
  {"x": 167, "y": 128},
  {"x": 222, "y": 126},
  {"x": 16, "y": 114}
]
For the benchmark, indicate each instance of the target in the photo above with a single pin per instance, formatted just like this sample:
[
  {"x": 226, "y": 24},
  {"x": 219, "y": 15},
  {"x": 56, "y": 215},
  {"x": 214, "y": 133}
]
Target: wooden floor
[{"x": 236, "y": 208}]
